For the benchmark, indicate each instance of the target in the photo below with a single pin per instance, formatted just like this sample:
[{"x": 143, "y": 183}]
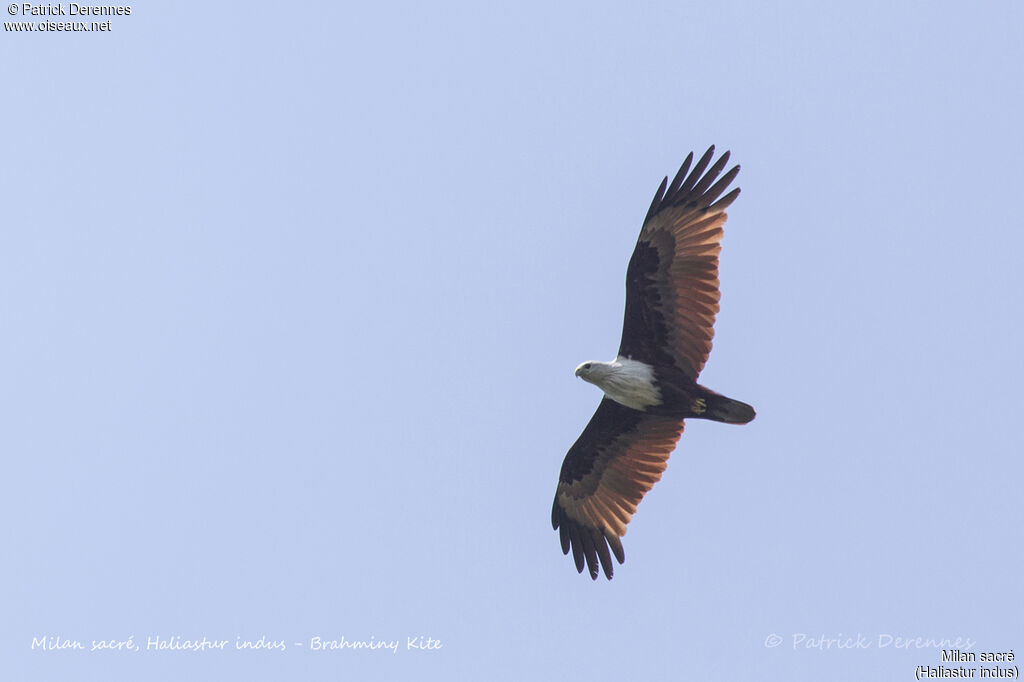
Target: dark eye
[{"x": 586, "y": 366}]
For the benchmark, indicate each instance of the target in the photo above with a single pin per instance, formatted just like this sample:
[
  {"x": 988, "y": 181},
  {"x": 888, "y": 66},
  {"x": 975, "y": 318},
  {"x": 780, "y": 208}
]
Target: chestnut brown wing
[
  {"x": 672, "y": 279},
  {"x": 619, "y": 456}
]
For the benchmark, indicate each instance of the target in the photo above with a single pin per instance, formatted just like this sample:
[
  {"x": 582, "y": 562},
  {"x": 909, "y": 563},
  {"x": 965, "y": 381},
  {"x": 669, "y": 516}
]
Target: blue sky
[{"x": 292, "y": 299}]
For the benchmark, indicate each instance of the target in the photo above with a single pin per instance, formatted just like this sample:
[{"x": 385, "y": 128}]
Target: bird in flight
[{"x": 651, "y": 386}]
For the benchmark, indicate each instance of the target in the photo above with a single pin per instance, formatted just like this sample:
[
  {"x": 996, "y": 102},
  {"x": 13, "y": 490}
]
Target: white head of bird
[{"x": 626, "y": 381}]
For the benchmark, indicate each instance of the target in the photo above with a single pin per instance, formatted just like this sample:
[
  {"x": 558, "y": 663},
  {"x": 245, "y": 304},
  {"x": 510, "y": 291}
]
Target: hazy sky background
[{"x": 291, "y": 298}]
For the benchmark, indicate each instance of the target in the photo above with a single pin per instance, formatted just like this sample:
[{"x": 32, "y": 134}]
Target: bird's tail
[{"x": 722, "y": 409}]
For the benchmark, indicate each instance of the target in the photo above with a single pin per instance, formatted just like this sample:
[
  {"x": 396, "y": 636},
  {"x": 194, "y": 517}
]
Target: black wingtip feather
[
  {"x": 656, "y": 201},
  {"x": 710, "y": 176},
  {"x": 590, "y": 552},
  {"x": 603, "y": 554},
  {"x": 725, "y": 201},
  {"x": 589, "y": 546},
  {"x": 691, "y": 185},
  {"x": 577, "y": 547},
  {"x": 698, "y": 170},
  {"x": 720, "y": 186},
  {"x": 616, "y": 544},
  {"x": 678, "y": 180}
]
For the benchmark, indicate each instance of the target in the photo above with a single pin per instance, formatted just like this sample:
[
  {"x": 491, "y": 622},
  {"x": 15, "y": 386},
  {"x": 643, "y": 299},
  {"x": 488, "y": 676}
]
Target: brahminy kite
[{"x": 651, "y": 386}]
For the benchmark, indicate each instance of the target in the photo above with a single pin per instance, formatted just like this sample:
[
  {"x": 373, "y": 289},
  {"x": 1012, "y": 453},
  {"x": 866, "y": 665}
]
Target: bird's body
[
  {"x": 660, "y": 390},
  {"x": 651, "y": 386}
]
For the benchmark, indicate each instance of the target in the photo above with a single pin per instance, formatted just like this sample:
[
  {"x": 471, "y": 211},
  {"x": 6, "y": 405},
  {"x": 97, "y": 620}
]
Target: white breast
[{"x": 630, "y": 383}]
